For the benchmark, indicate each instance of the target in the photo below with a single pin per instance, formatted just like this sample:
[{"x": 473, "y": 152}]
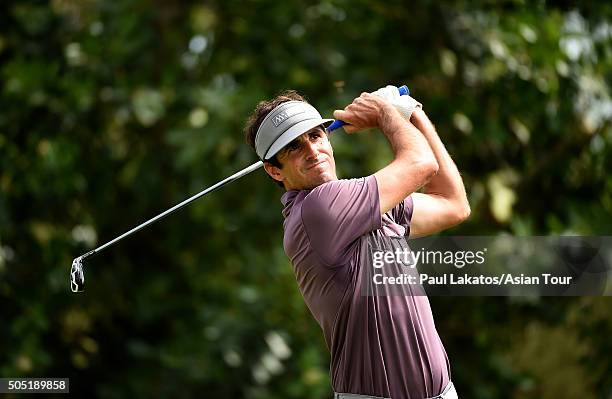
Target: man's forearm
[
  {"x": 410, "y": 152},
  {"x": 405, "y": 141},
  {"x": 447, "y": 182}
]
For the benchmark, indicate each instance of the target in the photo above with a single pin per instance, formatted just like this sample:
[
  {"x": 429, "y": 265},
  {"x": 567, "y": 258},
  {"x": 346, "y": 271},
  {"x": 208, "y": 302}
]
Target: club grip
[{"x": 403, "y": 91}]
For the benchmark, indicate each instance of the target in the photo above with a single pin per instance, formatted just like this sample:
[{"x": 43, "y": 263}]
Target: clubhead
[{"x": 77, "y": 278}]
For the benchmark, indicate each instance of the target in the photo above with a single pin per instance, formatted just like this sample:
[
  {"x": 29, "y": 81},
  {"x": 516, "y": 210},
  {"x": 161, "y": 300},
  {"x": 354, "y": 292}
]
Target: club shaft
[{"x": 176, "y": 207}]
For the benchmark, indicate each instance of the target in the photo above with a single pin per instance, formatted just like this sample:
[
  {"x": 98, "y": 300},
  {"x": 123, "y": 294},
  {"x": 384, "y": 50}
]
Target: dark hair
[{"x": 263, "y": 109}]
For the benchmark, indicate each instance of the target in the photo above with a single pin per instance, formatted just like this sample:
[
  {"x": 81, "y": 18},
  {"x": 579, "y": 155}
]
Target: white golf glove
[{"x": 404, "y": 104}]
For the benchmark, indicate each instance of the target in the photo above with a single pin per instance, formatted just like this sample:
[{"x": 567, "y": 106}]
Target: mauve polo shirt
[{"x": 381, "y": 343}]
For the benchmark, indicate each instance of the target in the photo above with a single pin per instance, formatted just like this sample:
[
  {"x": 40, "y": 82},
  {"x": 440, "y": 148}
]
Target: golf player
[{"x": 382, "y": 346}]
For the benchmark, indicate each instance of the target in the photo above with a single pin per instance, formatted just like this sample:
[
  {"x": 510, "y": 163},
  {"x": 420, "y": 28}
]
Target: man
[{"x": 382, "y": 346}]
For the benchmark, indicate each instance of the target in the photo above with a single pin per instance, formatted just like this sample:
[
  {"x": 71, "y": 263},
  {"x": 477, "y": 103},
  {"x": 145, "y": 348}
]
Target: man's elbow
[
  {"x": 462, "y": 212},
  {"x": 429, "y": 168}
]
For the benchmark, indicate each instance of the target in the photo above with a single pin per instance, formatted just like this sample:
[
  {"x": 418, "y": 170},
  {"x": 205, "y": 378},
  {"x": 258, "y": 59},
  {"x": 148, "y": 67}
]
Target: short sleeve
[
  {"x": 337, "y": 213},
  {"x": 402, "y": 214}
]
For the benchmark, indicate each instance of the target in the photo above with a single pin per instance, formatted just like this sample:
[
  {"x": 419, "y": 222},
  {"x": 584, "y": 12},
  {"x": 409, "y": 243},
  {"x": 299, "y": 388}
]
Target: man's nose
[{"x": 311, "y": 149}]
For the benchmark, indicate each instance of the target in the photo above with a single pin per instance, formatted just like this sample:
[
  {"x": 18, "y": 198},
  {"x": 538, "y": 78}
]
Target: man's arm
[
  {"x": 444, "y": 202},
  {"x": 413, "y": 163}
]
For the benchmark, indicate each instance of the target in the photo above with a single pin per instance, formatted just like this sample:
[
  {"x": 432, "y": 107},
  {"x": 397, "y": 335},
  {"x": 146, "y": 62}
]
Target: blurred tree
[{"x": 112, "y": 111}]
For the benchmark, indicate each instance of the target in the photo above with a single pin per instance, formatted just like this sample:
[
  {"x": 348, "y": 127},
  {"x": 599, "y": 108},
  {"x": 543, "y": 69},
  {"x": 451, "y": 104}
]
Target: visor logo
[{"x": 283, "y": 116}]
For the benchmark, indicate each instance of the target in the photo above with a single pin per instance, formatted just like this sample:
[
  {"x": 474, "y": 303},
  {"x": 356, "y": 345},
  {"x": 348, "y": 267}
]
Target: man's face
[{"x": 306, "y": 162}]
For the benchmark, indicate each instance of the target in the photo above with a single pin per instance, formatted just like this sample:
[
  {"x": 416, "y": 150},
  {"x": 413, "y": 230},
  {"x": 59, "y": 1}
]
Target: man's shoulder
[
  {"x": 336, "y": 186},
  {"x": 336, "y": 194},
  {"x": 327, "y": 198},
  {"x": 294, "y": 198}
]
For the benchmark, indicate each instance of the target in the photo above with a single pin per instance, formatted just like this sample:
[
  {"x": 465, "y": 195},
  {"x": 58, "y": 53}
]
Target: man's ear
[{"x": 273, "y": 171}]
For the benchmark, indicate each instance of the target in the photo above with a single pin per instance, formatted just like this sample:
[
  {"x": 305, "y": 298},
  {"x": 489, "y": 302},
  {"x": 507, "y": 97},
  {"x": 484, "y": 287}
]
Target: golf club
[{"x": 77, "y": 277}]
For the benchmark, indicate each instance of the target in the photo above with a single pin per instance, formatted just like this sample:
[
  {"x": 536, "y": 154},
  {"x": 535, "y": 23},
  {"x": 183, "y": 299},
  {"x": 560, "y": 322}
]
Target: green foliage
[{"x": 112, "y": 111}]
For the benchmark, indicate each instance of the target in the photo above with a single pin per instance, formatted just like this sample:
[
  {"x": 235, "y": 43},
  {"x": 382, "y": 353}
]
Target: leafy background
[{"x": 111, "y": 111}]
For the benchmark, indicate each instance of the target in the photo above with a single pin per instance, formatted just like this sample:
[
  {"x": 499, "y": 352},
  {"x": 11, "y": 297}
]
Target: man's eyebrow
[{"x": 295, "y": 141}]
